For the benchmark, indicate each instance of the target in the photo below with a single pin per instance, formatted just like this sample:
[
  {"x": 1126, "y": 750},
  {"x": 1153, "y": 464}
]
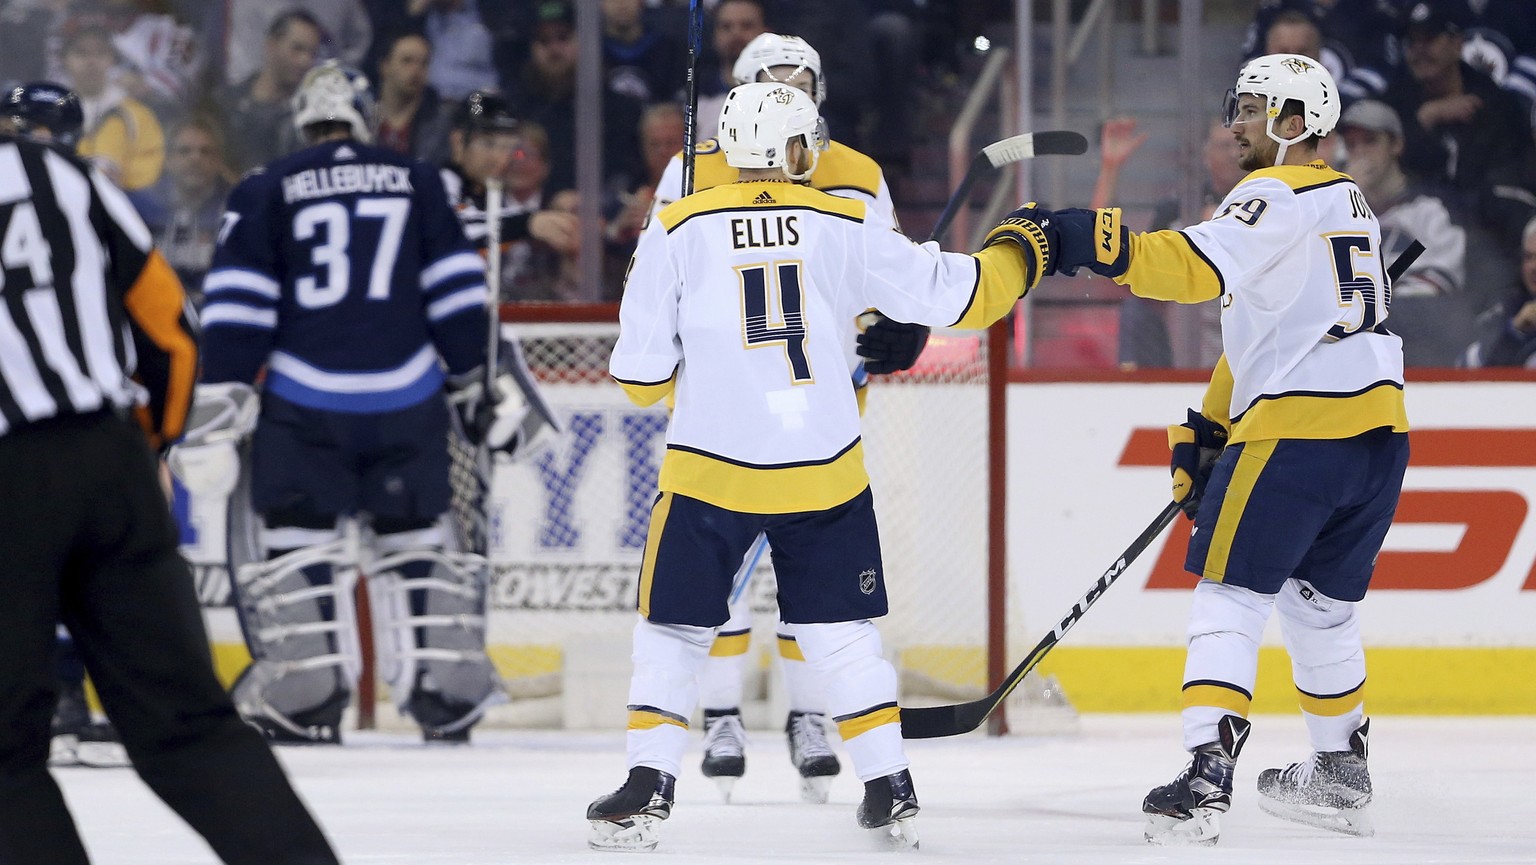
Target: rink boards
[{"x": 1448, "y": 622}]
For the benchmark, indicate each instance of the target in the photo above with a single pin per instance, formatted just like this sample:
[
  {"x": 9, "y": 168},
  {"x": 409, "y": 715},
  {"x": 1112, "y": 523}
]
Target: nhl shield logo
[{"x": 867, "y": 581}]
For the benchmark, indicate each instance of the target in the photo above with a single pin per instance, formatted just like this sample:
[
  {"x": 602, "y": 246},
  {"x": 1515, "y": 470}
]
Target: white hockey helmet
[
  {"x": 759, "y": 120},
  {"x": 1280, "y": 77},
  {"x": 331, "y": 92},
  {"x": 768, "y": 50}
]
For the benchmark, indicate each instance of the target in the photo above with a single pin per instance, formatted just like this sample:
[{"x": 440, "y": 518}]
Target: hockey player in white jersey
[
  {"x": 735, "y": 306},
  {"x": 1293, "y": 466},
  {"x": 881, "y": 345}
]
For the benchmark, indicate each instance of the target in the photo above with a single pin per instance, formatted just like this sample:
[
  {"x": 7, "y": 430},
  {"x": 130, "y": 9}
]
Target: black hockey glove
[
  {"x": 1196, "y": 443},
  {"x": 1033, "y": 230},
  {"x": 888, "y": 345},
  {"x": 1095, "y": 239}
]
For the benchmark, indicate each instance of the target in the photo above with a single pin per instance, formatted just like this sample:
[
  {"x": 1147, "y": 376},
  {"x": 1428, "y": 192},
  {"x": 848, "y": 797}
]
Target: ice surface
[{"x": 1448, "y": 790}]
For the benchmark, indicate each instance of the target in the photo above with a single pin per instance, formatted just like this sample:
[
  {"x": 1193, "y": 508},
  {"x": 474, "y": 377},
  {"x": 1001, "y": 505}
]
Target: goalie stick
[
  {"x": 933, "y": 722},
  {"x": 1006, "y": 152}
]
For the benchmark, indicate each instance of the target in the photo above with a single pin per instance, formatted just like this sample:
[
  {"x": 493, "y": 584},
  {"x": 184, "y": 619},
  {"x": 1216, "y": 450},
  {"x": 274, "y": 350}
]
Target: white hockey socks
[
  {"x": 802, "y": 684},
  {"x": 1226, "y": 624},
  {"x": 1322, "y": 636},
  {"x": 663, "y": 692},
  {"x": 861, "y": 693},
  {"x": 720, "y": 679}
]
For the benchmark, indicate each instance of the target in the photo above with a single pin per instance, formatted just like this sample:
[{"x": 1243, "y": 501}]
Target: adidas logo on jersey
[
  {"x": 764, "y": 198},
  {"x": 344, "y": 152}
]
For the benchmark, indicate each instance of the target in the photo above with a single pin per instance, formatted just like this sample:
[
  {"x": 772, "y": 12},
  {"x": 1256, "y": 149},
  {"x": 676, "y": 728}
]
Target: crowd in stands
[
  {"x": 1438, "y": 103},
  {"x": 181, "y": 97}
]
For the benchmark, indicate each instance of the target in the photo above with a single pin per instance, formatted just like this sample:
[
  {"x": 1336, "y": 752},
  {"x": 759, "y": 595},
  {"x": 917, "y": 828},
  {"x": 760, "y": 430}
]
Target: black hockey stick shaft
[
  {"x": 1404, "y": 260},
  {"x": 1005, "y": 152},
  {"x": 932, "y": 722},
  {"x": 691, "y": 95}
]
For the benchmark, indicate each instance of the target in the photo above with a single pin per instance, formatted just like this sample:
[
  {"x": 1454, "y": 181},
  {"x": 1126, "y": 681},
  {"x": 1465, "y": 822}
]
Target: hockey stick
[
  {"x": 691, "y": 95},
  {"x": 1404, "y": 260},
  {"x": 932, "y": 722},
  {"x": 479, "y": 521},
  {"x": 1006, "y": 152}
]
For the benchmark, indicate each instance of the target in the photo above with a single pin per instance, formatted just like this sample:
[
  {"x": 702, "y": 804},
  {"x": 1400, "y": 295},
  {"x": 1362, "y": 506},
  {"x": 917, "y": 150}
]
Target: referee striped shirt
[{"x": 91, "y": 315}]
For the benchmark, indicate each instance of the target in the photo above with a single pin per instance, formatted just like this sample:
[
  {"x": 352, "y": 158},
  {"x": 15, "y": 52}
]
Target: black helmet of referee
[
  {"x": 484, "y": 111},
  {"x": 42, "y": 105}
]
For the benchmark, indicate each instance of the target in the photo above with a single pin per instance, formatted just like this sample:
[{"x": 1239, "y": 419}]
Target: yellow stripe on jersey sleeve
[
  {"x": 1166, "y": 265},
  {"x": 1000, "y": 282},
  {"x": 644, "y": 393},
  {"x": 1323, "y": 416},
  {"x": 764, "y": 489},
  {"x": 843, "y": 168}
]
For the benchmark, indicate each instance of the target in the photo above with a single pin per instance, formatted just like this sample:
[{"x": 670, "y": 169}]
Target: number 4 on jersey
[{"x": 757, "y": 331}]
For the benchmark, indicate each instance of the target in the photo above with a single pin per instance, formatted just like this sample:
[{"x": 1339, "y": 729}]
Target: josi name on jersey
[{"x": 346, "y": 179}]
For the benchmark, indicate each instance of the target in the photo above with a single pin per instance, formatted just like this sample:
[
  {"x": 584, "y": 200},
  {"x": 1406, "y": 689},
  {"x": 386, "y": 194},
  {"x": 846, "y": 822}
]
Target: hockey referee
[{"x": 94, "y": 330}]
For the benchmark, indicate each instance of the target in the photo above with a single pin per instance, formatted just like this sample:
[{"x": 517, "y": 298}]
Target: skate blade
[
  {"x": 1346, "y": 821},
  {"x": 897, "y": 835},
  {"x": 815, "y": 790},
  {"x": 726, "y": 784},
  {"x": 1201, "y": 829},
  {"x": 64, "y": 750},
  {"x": 102, "y": 755},
  {"x": 637, "y": 834}
]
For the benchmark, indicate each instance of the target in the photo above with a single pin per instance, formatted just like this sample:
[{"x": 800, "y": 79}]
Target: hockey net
[{"x": 567, "y": 530}]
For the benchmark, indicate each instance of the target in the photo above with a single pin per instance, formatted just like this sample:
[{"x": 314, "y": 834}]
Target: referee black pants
[{"x": 86, "y": 538}]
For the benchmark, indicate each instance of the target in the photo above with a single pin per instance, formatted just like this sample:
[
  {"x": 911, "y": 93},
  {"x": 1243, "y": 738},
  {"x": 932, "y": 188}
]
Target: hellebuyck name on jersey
[{"x": 346, "y": 180}]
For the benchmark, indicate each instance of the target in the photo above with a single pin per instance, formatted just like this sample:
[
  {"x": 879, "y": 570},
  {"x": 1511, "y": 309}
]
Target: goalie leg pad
[
  {"x": 429, "y": 621},
  {"x": 300, "y": 625},
  {"x": 861, "y": 692}
]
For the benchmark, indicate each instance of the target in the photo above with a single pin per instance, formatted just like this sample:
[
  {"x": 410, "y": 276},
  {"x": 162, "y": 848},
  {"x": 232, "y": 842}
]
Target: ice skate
[
  {"x": 812, "y": 755},
  {"x": 1188, "y": 809},
  {"x": 629, "y": 818},
  {"x": 81, "y": 740},
  {"x": 890, "y": 809},
  {"x": 1329, "y": 790},
  {"x": 725, "y": 741}
]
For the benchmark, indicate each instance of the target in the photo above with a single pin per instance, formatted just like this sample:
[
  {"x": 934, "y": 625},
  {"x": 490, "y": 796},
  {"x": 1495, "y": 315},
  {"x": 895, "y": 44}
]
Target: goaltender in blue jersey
[{"x": 342, "y": 271}]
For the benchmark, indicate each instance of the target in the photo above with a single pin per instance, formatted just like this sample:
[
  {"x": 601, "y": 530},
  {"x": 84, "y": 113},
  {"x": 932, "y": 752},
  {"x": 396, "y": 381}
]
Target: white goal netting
[{"x": 568, "y": 527}]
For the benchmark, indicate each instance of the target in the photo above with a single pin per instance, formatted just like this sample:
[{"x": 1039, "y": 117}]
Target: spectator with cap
[
  {"x": 257, "y": 112},
  {"x": 1430, "y": 309},
  {"x": 1460, "y": 129},
  {"x": 122, "y": 135},
  {"x": 413, "y": 118},
  {"x": 547, "y": 95}
]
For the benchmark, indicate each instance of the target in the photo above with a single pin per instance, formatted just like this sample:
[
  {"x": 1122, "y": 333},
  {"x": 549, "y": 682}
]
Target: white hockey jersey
[
  {"x": 1294, "y": 253},
  {"x": 737, "y": 301},
  {"x": 841, "y": 171}
]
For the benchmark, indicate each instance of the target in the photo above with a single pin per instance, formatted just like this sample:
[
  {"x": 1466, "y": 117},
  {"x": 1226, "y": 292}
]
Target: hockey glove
[
  {"x": 1195, "y": 443},
  {"x": 888, "y": 345},
  {"x": 207, "y": 459},
  {"x": 1095, "y": 239},
  {"x": 506, "y": 424},
  {"x": 1033, "y": 230}
]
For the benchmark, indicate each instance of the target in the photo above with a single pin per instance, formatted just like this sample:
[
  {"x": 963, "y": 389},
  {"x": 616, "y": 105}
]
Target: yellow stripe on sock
[
  {"x": 789, "y": 649},
  {"x": 731, "y": 645},
  {"x": 1333, "y": 705},
  {"x": 850, "y": 726},
  {"x": 641, "y": 719},
  {"x": 1219, "y": 696}
]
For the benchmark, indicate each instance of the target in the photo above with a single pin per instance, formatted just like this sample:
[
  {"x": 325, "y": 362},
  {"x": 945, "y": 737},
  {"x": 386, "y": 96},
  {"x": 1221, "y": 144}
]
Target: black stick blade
[{"x": 936, "y": 722}]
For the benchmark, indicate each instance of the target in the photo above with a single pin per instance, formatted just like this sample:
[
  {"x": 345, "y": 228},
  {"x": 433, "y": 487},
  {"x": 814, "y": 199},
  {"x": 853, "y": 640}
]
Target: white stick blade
[{"x": 1032, "y": 144}]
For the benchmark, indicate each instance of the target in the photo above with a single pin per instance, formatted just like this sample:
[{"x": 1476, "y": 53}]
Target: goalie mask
[
  {"x": 758, "y": 122},
  {"x": 1282, "y": 77},
  {"x": 769, "y": 50},
  {"x": 332, "y": 93}
]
